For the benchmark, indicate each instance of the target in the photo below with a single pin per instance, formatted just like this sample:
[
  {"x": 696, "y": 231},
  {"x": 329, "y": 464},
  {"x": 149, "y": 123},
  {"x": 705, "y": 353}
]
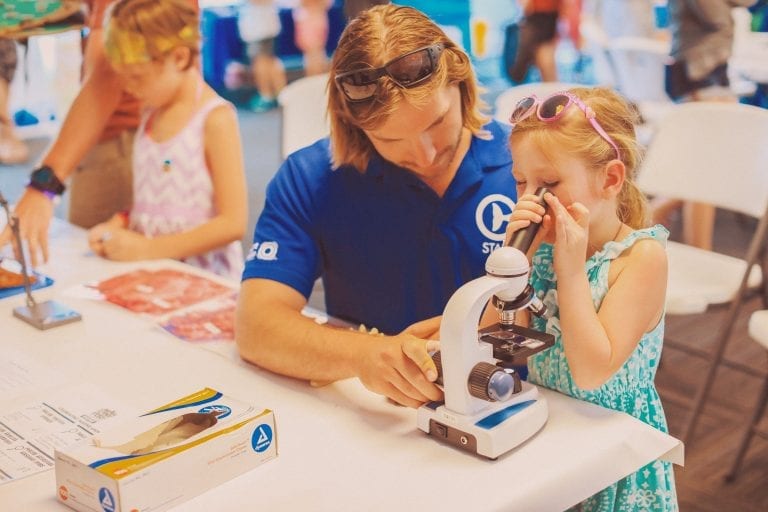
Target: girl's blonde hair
[
  {"x": 141, "y": 31},
  {"x": 371, "y": 40},
  {"x": 574, "y": 135}
]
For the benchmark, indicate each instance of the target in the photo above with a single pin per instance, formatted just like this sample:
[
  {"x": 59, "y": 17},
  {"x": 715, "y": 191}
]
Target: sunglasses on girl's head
[
  {"x": 406, "y": 71},
  {"x": 553, "y": 107}
]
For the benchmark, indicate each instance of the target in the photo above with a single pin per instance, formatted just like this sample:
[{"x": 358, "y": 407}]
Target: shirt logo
[
  {"x": 492, "y": 216},
  {"x": 265, "y": 251}
]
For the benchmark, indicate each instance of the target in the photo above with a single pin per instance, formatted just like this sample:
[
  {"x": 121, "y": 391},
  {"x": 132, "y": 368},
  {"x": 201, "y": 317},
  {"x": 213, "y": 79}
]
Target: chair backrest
[
  {"x": 507, "y": 101},
  {"x": 715, "y": 153},
  {"x": 758, "y": 327},
  {"x": 304, "y": 103},
  {"x": 742, "y": 25},
  {"x": 639, "y": 63},
  {"x": 596, "y": 43}
]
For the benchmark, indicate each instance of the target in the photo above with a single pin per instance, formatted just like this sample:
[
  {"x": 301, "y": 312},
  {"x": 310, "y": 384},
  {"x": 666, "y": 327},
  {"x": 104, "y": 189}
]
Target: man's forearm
[{"x": 286, "y": 342}]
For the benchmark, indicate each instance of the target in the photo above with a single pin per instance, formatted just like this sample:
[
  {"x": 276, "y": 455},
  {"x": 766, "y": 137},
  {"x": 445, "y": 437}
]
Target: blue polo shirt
[{"x": 389, "y": 250}]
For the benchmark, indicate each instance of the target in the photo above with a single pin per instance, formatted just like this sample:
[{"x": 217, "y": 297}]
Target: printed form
[{"x": 49, "y": 417}]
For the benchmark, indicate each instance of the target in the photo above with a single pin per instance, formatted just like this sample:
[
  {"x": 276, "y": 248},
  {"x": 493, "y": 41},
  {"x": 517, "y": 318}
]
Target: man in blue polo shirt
[{"x": 400, "y": 207}]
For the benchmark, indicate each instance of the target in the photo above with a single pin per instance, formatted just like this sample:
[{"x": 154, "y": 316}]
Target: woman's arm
[{"x": 84, "y": 123}]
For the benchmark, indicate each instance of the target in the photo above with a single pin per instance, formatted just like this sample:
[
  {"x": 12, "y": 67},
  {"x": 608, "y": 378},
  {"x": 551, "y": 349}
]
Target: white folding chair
[
  {"x": 507, "y": 101},
  {"x": 742, "y": 84},
  {"x": 758, "y": 330},
  {"x": 713, "y": 153},
  {"x": 596, "y": 43},
  {"x": 303, "y": 103},
  {"x": 639, "y": 63}
]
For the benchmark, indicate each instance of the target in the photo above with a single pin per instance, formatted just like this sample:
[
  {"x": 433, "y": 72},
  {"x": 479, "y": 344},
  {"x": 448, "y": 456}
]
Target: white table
[{"x": 340, "y": 447}]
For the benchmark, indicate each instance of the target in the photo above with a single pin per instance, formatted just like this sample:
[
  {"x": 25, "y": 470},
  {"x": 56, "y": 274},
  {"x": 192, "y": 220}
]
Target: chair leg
[
  {"x": 765, "y": 276},
  {"x": 754, "y": 252},
  {"x": 749, "y": 433},
  {"x": 703, "y": 392}
]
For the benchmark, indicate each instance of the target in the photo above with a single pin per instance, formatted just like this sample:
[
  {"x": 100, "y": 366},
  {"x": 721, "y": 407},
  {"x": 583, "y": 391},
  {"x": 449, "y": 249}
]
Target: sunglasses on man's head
[
  {"x": 406, "y": 71},
  {"x": 553, "y": 107}
]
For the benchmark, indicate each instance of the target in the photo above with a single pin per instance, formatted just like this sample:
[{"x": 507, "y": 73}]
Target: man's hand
[
  {"x": 401, "y": 368},
  {"x": 34, "y": 212}
]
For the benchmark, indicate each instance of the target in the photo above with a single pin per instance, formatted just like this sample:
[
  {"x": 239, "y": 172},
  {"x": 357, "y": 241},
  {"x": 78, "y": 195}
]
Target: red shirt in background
[{"x": 542, "y": 6}]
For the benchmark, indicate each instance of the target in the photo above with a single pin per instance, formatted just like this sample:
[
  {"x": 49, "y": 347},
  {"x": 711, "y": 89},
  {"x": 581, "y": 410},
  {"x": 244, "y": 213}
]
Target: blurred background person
[
  {"x": 259, "y": 25},
  {"x": 12, "y": 149},
  {"x": 537, "y": 40},
  {"x": 702, "y": 42},
  {"x": 311, "y": 24}
]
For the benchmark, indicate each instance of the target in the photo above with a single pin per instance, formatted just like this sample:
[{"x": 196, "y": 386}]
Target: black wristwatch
[{"x": 46, "y": 181}]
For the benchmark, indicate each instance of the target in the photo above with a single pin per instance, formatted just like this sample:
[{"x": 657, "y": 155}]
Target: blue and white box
[{"x": 166, "y": 456}]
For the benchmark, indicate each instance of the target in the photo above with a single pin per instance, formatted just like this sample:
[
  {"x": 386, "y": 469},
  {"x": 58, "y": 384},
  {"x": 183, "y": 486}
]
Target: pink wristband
[{"x": 47, "y": 193}]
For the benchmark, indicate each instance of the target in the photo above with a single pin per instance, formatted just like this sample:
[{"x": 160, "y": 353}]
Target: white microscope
[{"x": 488, "y": 410}]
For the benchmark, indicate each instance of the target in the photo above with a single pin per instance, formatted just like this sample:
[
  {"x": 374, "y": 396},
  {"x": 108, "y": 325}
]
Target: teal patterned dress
[{"x": 630, "y": 389}]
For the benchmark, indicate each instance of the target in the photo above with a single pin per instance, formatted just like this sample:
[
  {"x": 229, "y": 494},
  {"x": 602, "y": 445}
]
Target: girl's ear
[
  {"x": 613, "y": 178},
  {"x": 182, "y": 57}
]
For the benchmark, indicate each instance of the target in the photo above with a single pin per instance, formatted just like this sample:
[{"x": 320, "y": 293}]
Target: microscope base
[{"x": 493, "y": 431}]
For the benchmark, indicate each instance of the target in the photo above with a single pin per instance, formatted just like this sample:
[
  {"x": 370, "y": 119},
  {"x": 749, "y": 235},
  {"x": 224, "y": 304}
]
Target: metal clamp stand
[{"x": 43, "y": 315}]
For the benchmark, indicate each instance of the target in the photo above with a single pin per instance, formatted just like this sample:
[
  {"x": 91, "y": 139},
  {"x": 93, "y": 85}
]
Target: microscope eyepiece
[{"x": 522, "y": 239}]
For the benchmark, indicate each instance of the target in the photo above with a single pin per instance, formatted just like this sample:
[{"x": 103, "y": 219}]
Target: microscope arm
[
  {"x": 506, "y": 279},
  {"x": 459, "y": 346}
]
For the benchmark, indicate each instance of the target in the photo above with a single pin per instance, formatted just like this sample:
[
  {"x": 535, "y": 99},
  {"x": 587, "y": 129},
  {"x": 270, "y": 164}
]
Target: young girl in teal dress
[{"x": 598, "y": 266}]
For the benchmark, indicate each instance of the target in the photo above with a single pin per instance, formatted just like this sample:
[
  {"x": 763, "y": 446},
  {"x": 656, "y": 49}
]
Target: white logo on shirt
[
  {"x": 266, "y": 251},
  {"x": 500, "y": 211}
]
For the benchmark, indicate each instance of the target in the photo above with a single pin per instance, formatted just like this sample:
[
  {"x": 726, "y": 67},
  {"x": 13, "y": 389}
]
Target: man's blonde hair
[
  {"x": 140, "y": 31},
  {"x": 574, "y": 135},
  {"x": 375, "y": 37}
]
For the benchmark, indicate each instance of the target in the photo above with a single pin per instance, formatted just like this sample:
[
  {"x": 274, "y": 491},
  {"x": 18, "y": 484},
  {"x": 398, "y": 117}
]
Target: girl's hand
[
  {"x": 96, "y": 235},
  {"x": 101, "y": 232},
  {"x": 122, "y": 244},
  {"x": 571, "y": 237},
  {"x": 529, "y": 210}
]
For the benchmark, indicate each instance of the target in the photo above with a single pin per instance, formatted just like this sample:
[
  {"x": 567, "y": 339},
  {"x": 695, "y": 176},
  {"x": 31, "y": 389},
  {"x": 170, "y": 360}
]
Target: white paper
[
  {"x": 29, "y": 434},
  {"x": 20, "y": 374}
]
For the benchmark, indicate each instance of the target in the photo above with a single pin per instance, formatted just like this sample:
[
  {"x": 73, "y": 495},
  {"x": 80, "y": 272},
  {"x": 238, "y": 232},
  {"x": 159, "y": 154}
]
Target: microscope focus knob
[
  {"x": 438, "y": 360},
  {"x": 490, "y": 383}
]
